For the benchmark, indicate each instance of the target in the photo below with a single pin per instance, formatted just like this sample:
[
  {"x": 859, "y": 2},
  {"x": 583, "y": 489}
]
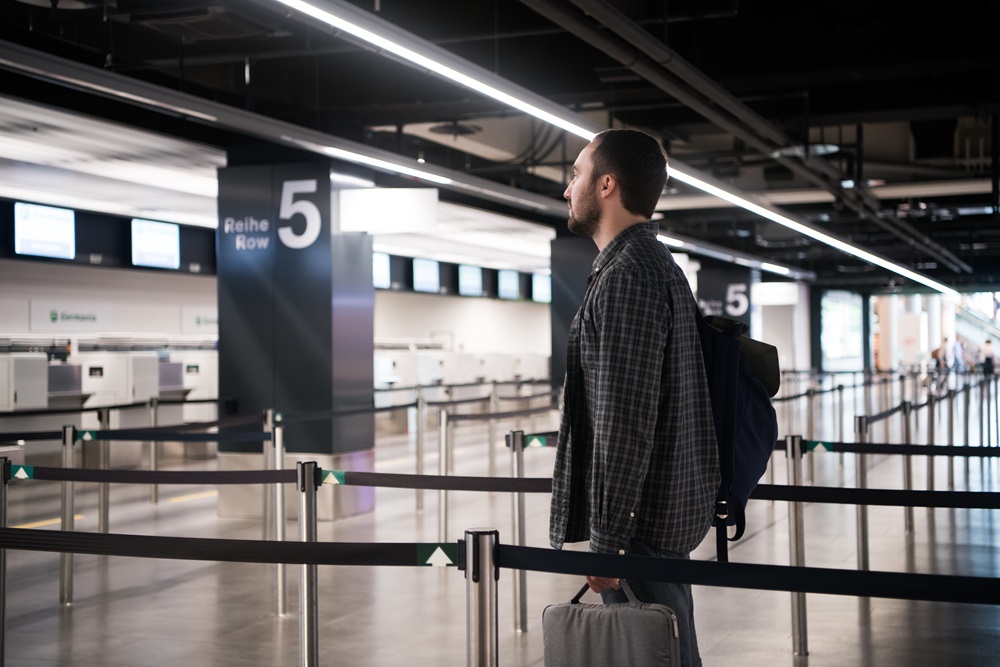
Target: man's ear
[{"x": 608, "y": 185}]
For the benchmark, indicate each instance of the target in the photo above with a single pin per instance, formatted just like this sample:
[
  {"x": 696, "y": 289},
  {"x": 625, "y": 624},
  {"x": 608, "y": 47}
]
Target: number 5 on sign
[
  {"x": 290, "y": 207},
  {"x": 737, "y": 302}
]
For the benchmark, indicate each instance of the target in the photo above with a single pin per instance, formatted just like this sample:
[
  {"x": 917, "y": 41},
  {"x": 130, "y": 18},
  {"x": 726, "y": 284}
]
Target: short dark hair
[{"x": 637, "y": 161}]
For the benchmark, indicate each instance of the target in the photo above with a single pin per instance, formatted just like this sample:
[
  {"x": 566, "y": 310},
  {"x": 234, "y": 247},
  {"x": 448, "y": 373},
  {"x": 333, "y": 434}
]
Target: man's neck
[{"x": 612, "y": 226}]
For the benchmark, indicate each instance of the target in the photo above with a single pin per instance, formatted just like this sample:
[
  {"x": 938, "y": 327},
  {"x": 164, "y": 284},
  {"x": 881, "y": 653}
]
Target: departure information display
[
  {"x": 44, "y": 231},
  {"x": 155, "y": 244}
]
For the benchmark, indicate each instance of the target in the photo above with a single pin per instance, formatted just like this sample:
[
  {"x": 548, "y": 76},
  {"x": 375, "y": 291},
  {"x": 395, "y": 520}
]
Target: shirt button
[
  {"x": 621, "y": 552},
  {"x": 632, "y": 514}
]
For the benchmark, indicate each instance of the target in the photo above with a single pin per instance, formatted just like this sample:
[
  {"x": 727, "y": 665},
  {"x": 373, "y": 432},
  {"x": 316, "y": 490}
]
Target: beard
[{"x": 585, "y": 215}]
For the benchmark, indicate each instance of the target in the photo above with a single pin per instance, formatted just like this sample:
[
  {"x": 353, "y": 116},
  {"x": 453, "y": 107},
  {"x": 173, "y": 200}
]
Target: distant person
[
  {"x": 959, "y": 355},
  {"x": 938, "y": 356},
  {"x": 986, "y": 356}
]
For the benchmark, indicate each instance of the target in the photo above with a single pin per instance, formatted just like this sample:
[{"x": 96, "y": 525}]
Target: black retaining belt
[
  {"x": 448, "y": 482},
  {"x": 164, "y": 476},
  {"x": 912, "y": 450},
  {"x": 139, "y": 434},
  {"x": 300, "y": 417},
  {"x": 461, "y": 401},
  {"x": 235, "y": 551},
  {"x": 29, "y": 436},
  {"x": 146, "y": 434},
  {"x": 888, "y": 497},
  {"x": 486, "y": 416},
  {"x": 934, "y": 587}
]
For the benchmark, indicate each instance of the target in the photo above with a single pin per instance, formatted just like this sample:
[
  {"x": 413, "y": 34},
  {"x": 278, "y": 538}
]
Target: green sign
[
  {"x": 537, "y": 441},
  {"x": 437, "y": 555},
  {"x": 85, "y": 435},
  {"x": 817, "y": 446},
  {"x": 22, "y": 472},
  {"x": 334, "y": 477}
]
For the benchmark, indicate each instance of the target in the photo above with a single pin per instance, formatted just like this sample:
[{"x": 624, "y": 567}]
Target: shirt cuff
[{"x": 606, "y": 543}]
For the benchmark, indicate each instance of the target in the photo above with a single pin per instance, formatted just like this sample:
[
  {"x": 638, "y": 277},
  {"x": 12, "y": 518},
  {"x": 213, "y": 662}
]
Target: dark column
[
  {"x": 296, "y": 306},
  {"x": 572, "y": 258}
]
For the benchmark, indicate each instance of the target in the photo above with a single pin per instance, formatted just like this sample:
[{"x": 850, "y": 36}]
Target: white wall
[
  {"x": 153, "y": 302},
  {"x": 143, "y": 301},
  {"x": 469, "y": 324}
]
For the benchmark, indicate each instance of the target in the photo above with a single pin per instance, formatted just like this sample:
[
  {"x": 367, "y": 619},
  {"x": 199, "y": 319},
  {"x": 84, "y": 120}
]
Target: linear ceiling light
[
  {"x": 822, "y": 237},
  {"x": 696, "y": 247},
  {"x": 387, "y": 37},
  {"x": 341, "y": 22}
]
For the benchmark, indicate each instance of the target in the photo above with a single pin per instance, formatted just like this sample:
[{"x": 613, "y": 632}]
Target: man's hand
[{"x": 598, "y": 584}]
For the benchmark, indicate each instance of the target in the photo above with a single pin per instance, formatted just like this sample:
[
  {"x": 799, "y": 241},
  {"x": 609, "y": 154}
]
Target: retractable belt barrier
[
  {"x": 300, "y": 417},
  {"x": 150, "y": 433},
  {"x": 830, "y": 581},
  {"x": 890, "y": 448}
]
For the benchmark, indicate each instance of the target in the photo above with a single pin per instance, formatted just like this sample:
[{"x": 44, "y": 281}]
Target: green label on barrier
[
  {"x": 437, "y": 555},
  {"x": 333, "y": 477},
  {"x": 817, "y": 446},
  {"x": 22, "y": 472},
  {"x": 537, "y": 441},
  {"x": 85, "y": 435}
]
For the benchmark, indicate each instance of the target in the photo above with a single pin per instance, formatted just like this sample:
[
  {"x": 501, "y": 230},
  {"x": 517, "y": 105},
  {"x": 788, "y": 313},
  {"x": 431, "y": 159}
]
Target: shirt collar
[{"x": 618, "y": 242}]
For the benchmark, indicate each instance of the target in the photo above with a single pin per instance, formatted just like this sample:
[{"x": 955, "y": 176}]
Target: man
[{"x": 636, "y": 468}]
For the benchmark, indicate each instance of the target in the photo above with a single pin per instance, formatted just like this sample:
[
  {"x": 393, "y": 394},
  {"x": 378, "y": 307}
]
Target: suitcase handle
[{"x": 625, "y": 587}]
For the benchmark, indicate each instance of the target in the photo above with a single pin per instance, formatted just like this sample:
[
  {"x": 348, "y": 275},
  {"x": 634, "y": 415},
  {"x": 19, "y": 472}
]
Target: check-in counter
[
  {"x": 118, "y": 378},
  {"x": 23, "y": 388}
]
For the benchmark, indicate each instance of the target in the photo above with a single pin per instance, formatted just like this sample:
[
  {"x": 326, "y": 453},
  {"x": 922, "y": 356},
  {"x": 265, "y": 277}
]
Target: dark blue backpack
[{"x": 743, "y": 375}]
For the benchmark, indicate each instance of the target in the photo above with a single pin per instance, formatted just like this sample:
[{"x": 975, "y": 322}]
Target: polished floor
[{"x": 129, "y": 611}]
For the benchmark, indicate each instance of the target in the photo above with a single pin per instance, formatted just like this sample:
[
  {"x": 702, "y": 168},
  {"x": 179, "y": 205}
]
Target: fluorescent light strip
[
  {"x": 345, "y": 179},
  {"x": 831, "y": 241},
  {"x": 380, "y": 42},
  {"x": 436, "y": 67}
]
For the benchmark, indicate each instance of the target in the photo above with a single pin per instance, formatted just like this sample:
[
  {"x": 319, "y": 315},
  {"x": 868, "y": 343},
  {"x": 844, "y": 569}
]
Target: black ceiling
[{"x": 908, "y": 97}]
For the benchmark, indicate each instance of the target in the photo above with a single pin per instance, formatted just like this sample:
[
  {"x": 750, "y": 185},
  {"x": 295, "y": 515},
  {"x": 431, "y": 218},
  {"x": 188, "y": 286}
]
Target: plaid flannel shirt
[{"x": 636, "y": 457}]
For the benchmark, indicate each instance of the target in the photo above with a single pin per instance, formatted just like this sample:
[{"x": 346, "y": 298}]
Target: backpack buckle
[{"x": 721, "y": 510}]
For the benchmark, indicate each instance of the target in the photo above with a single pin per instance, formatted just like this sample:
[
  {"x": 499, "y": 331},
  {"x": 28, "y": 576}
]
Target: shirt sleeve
[{"x": 631, "y": 325}]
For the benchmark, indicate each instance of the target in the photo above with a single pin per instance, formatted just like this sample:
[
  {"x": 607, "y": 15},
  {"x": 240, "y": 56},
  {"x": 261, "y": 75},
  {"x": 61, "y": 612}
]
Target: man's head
[{"x": 627, "y": 163}]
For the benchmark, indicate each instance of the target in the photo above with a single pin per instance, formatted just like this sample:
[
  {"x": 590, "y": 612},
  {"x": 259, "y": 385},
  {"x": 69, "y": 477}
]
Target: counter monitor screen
[
  {"x": 541, "y": 288},
  {"x": 508, "y": 284},
  {"x": 470, "y": 280},
  {"x": 155, "y": 244},
  {"x": 426, "y": 275},
  {"x": 380, "y": 271},
  {"x": 44, "y": 231}
]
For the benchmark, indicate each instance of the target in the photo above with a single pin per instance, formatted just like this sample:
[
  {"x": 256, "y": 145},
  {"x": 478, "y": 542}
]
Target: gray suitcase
[{"x": 633, "y": 634}]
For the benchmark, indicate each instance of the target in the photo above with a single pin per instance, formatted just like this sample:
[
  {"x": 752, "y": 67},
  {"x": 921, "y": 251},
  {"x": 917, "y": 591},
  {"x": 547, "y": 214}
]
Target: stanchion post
[
  {"x": 810, "y": 429},
  {"x": 104, "y": 463},
  {"x": 840, "y": 418},
  {"x": 421, "y": 424},
  {"x": 481, "y": 575},
  {"x": 491, "y": 431},
  {"x": 982, "y": 404},
  {"x": 907, "y": 465},
  {"x": 886, "y": 400},
  {"x": 797, "y": 557},
  {"x": 280, "y": 580},
  {"x": 66, "y": 521},
  {"x": 442, "y": 470},
  {"x": 516, "y": 443},
  {"x": 861, "y": 479},
  {"x": 951, "y": 438},
  {"x": 154, "y": 448},
  {"x": 5, "y": 468},
  {"x": 931, "y": 426},
  {"x": 965, "y": 431},
  {"x": 308, "y": 588},
  {"x": 267, "y": 451}
]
